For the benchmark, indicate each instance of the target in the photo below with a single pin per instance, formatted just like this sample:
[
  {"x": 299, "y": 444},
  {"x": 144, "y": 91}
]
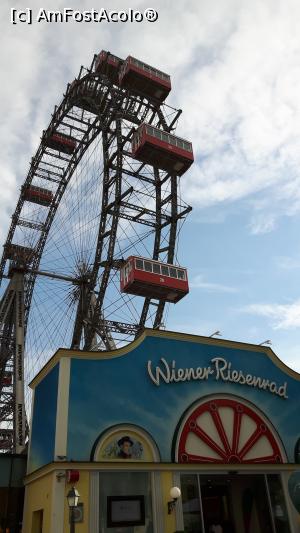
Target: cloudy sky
[{"x": 235, "y": 68}]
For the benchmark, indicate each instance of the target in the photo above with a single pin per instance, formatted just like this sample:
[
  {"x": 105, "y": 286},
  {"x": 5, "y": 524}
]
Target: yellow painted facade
[
  {"x": 38, "y": 498},
  {"x": 43, "y": 488}
]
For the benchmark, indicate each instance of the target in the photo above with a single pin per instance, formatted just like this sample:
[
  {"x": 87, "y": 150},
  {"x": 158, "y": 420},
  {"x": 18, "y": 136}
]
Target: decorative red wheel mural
[{"x": 225, "y": 430}]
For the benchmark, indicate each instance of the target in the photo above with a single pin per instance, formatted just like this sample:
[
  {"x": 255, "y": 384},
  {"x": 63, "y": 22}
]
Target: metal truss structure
[{"x": 105, "y": 205}]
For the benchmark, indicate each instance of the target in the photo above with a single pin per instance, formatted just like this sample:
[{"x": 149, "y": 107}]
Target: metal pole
[{"x": 72, "y": 523}]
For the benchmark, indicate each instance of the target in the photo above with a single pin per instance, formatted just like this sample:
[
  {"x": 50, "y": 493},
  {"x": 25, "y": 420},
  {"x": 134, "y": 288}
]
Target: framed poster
[{"x": 125, "y": 511}]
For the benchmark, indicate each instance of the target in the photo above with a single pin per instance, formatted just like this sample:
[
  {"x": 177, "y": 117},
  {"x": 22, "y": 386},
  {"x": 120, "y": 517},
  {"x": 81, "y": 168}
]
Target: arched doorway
[{"x": 226, "y": 429}]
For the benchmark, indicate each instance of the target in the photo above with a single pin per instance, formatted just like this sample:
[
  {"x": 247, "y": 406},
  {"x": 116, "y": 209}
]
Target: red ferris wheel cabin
[
  {"x": 162, "y": 149},
  {"x": 61, "y": 143},
  {"x": 109, "y": 65},
  {"x": 153, "y": 279},
  {"x": 143, "y": 78},
  {"x": 38, "y": 195}
]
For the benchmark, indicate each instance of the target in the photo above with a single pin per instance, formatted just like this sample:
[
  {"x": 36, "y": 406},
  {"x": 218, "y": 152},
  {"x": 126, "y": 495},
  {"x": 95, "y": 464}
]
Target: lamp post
[{"x": 72, "y": 497}]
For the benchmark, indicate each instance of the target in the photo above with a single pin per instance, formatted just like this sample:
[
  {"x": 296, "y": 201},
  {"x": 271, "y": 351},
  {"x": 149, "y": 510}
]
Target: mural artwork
[{"x": 124, "y": 448}]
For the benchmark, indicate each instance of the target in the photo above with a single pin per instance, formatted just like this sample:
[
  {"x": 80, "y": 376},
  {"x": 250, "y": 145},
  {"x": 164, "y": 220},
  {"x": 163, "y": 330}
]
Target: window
[
  {"x": 278, "y": 503},
  {"x": 115, "y": 486},
  {"x": 37, "y": 521},
  {"x": 173, "y": 272},
  {"x": 148, "y": 266},
  {"x": 165, "y": 137},
  {"x": 149, "y": 130},
  {"x": 165, "y": 270},
  {"x": 139, "y": 264},
  {"x": 156, "y": 268},
  {"x": 180, "y": 274}
]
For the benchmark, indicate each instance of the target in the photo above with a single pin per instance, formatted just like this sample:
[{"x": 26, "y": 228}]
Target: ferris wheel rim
[{"x": 97, "y": 126}]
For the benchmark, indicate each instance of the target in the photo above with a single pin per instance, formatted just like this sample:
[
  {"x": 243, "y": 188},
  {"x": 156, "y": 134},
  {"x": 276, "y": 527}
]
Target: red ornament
[{"x": 72, "y": 476}]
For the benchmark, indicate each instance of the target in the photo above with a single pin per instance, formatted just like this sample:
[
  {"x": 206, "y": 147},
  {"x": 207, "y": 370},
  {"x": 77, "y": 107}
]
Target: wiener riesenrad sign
[{"x": 219, "y": 369}]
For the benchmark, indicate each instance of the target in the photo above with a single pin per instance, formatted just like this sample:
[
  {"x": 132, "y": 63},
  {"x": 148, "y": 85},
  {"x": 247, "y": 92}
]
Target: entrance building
[{"x": 218, "y": 419}]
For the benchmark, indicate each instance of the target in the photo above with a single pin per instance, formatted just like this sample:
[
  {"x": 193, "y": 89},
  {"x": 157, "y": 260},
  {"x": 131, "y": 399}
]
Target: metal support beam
[{"x": 12, "y": 402}]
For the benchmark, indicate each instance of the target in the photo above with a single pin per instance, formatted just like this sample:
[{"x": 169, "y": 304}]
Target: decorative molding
[
  {"x": 185, "y": 337},
  {"x": 85, "y": 466}
]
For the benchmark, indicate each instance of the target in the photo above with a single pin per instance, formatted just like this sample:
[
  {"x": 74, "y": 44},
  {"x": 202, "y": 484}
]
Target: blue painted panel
[
  {"x": 114, "y": 391},
  {"x": 44, "y": 421}
]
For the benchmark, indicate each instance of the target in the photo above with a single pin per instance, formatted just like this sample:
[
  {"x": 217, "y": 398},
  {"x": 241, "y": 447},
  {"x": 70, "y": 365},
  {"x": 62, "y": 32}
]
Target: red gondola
[
  {"x": 109, "y": 65},
  {"x": 7, "y": 379},
  {"x": 38, "y": 195},
  {"x": 61, "y": 142},
  {"x": 140, "y": 77},
  {"x": 161, "y": 149},
  {"x": 5, "y": 437},
  {"x": 85, "y": 95},
  {"x": 153, "y": 279}
]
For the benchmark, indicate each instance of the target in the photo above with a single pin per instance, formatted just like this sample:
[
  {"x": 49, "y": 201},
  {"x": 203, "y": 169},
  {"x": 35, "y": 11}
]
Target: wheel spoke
[
  {"x": 220, "y": 429},
  {"x": 236, "y": 430},
  {"x": 208, "y": 441}
]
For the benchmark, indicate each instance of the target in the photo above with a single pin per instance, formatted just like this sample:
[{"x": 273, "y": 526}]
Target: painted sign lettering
[{"x": 219, "y": 368}]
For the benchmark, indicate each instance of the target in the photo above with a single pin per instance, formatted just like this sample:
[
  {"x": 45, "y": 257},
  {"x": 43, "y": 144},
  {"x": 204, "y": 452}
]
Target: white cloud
[
  {"x": 235, "y": 73},
  {"x": 262, "y": 223},
  {"x": 282, "y": 316},
  {"x": 243, "y": 114},
  {"x": 288, "y": 263},
  {"x": 199, "y": 283}
]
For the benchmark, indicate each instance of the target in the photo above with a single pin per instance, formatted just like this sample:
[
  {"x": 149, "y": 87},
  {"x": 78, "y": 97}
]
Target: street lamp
[{"x": 72, "y": 497}]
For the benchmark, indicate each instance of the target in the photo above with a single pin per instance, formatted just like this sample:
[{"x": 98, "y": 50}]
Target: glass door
[
  {"x": 191, "y": 504},
  {"x": 237, "y": 503}
]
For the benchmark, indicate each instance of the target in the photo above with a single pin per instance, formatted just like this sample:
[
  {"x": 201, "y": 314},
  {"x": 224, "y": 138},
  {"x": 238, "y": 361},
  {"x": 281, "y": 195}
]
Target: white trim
[
  {"x": 61, "y": 428},
  {"x": 58, "y": 504},
  {"x": 94, "y": 502},
  {"x": 157, "y": 503},
  {"x": 30, "y": 431}
]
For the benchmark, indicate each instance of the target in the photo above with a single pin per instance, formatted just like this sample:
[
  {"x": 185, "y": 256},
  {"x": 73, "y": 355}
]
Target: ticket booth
[{"x": 216, "y": 419}]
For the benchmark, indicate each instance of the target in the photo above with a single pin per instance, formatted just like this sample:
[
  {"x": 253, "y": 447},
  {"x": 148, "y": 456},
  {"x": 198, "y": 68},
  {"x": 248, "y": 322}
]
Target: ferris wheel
[{"x": 103, "y": 186}]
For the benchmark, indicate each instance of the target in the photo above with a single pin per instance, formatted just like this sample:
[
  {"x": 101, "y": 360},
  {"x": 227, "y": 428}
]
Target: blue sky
[{"x": 236, "y": 75}]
